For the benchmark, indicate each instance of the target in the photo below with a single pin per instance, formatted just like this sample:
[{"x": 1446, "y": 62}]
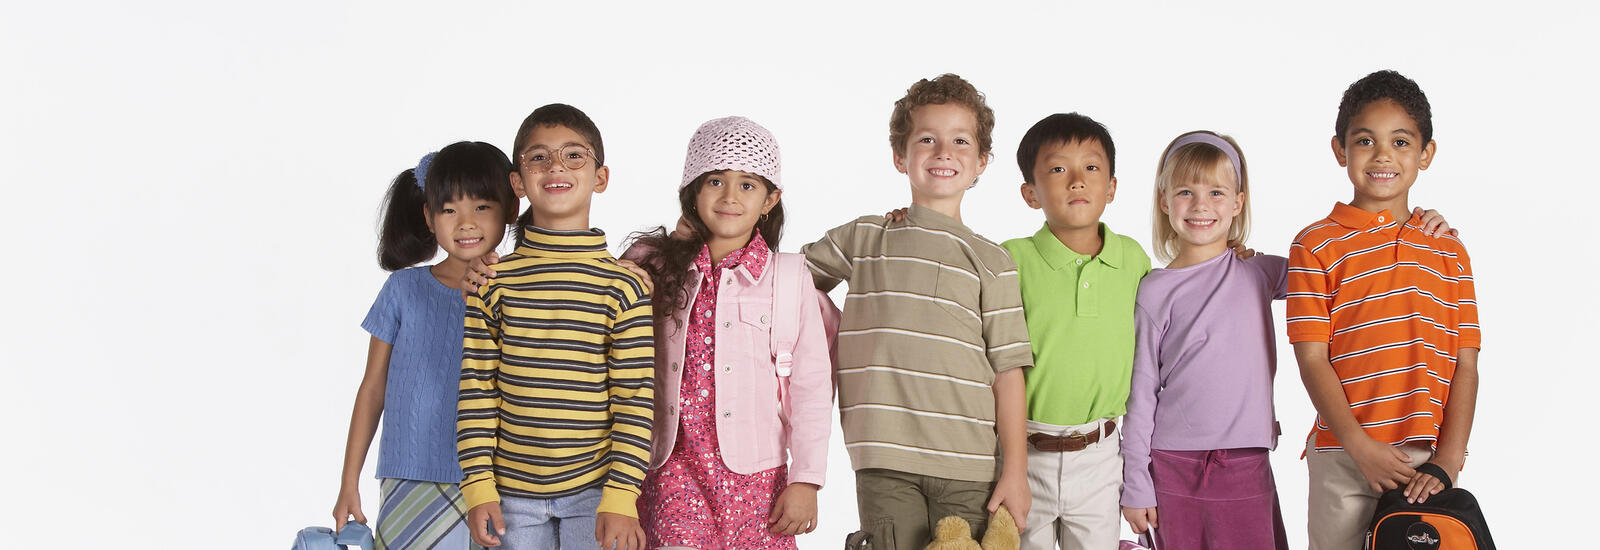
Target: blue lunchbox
[{"x": 354, "y": 535}]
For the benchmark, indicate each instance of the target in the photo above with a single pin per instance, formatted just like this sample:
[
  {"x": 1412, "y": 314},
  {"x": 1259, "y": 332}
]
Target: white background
[{"x": 192, "y": 194}]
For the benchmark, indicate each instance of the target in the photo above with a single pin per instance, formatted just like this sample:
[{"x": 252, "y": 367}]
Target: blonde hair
[{"x": 1198, "y": 162}]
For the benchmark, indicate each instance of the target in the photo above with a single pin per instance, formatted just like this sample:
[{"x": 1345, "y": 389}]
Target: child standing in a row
[
  {"x": 1384, "y": 319},
  {"x": 740, "y": 327},
  {"x": 932, "y": 343},
  {"x": 459, "y": 200},
  {"x": 556, "y": 391},
  {"x": 1200, "y": 418}
]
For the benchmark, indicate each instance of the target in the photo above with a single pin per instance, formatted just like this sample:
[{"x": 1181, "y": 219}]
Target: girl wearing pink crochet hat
[{"x": 743, "y": 370}]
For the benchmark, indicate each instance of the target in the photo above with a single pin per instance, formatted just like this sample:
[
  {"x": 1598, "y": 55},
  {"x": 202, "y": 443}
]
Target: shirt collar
[
  {"x": 549, "y": 243},
  {"x": 752, "y": 258},
  {"x": 923, "y": 216},
  {"x": 1057, "y": 255},
  {"x": 1356, "y": 218}
]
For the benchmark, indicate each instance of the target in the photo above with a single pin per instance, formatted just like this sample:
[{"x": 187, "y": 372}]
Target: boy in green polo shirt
[{"x": 1079, "y": 281}]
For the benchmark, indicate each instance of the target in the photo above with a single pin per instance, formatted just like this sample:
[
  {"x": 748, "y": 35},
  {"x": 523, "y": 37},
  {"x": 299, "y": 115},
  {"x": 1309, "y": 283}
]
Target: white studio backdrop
[{"x": 194, "y": 189}]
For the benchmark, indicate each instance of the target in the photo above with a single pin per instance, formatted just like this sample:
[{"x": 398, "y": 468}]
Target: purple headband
[{"x": 1213, "y": 140}]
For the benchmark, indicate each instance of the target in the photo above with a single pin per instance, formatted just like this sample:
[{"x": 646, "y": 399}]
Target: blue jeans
[{"x": 565, "y": 523}]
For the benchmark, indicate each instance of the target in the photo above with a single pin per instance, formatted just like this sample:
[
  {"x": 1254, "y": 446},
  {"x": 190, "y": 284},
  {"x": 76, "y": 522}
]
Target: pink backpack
[{"x": 787, "y": 292}]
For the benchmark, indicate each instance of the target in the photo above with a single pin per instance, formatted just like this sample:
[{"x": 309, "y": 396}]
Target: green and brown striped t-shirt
[{"x": 933, "y": 314}]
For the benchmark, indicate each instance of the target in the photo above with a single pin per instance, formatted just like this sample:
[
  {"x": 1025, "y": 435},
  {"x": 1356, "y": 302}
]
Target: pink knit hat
[{"x": 732, "y": 143}]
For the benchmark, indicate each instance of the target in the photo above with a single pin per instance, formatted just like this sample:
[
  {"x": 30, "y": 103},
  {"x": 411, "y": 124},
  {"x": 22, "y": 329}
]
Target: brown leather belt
[{"x": 1070, "y": 442}]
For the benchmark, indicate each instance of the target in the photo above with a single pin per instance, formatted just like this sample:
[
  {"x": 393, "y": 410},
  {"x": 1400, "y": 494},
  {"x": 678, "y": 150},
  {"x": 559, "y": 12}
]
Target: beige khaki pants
[
  {"x": 1076, "y": 494},
  {"x": 1339, "y": 502}
]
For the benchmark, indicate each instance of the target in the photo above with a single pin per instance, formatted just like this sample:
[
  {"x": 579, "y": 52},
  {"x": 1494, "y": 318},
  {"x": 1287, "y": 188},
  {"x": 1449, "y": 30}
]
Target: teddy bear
[{"x": 954, "y": 533}]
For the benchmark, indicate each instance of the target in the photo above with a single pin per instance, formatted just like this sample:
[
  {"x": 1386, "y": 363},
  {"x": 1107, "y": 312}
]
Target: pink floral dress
[{"x": 693, "y": 499}]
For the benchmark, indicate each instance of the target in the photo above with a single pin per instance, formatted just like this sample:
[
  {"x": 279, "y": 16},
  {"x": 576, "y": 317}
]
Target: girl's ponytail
[{"x": 404, "y": 238}]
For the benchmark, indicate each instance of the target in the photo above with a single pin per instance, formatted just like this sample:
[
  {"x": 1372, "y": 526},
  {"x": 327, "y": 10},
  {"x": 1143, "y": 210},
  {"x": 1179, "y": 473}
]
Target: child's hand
[
  {"x": 619, "y": 532},
  {"x": 1140, "y": 519},
  {"x": 795, "y": 511},
  {"x": 896, "y": 215},
  {"x": 1244, "y": 252},
  {"x": 649, "y": 285},
  {"x": 1012, "y": 492},
  {"x": 1424, "y": 485},
  {"x": 1433, "y": 223},
  {"x": 1384, "y": 466},
  {"x": 478, "y": 519},
  {"x": 349, "y": 504},
  {"x": 478, "y": 272}
]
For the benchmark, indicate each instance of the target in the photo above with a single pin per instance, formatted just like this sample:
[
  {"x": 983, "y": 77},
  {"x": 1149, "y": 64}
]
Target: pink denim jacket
[{"x": 750, "y": 427}]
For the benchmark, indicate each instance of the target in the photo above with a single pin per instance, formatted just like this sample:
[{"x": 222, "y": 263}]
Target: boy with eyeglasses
[{"x": 557, "y": 388}]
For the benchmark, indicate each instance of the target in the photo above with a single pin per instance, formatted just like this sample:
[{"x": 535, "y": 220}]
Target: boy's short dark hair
[
  {"x": 945, "y": 88},
  {"x": 559, "y": 114},
  {"x": 1063, "y": 128},
  {"x": 1381, "y": 85}
]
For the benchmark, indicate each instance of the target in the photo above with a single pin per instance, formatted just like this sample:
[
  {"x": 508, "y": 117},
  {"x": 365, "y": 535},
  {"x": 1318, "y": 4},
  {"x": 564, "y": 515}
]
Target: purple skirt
[{"x": 1223, "y": 499}]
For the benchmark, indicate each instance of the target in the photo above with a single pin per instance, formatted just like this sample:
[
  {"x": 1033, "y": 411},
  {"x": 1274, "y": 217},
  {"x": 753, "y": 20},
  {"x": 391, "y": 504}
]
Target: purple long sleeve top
[{"x": 1203, "y": 363}]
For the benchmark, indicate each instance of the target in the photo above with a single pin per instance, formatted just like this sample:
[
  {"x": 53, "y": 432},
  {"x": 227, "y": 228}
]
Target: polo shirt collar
[
  {"x": 549, "y": 243},
  {"x": 1356, "y": 218},
  {"x": 1058, "y": 256}
]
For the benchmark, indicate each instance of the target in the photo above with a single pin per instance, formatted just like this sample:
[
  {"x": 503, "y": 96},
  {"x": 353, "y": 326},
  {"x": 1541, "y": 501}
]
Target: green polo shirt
[{"x": 1079, "y": 311}]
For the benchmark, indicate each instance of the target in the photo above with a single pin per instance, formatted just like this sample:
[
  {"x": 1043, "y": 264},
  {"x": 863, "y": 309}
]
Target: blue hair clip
[{"x": 421, "y": 172}]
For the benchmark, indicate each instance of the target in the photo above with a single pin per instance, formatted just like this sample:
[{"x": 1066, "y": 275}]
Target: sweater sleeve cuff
[
  {"x": 616, "y": 500},
  {"x": 479, "y": 492}
]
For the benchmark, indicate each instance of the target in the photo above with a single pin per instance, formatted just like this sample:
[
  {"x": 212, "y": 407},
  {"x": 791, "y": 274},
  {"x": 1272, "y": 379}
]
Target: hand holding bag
[{"x": 354, "y": 535}]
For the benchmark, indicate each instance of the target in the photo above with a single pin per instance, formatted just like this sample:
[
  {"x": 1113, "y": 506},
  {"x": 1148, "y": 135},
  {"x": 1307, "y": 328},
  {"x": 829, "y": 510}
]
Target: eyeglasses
[{"x": 572, "y": 157}]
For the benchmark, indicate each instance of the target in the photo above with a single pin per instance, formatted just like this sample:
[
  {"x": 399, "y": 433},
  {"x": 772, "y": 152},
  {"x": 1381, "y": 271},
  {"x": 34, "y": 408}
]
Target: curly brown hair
[{"x": 945, "y": 88}]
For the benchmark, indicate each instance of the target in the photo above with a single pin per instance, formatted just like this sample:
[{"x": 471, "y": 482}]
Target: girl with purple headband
[
  {"x": 460, "y": 200},
  {"x": 743, "y": 369},
  {"x": 1200, "y": 422}
]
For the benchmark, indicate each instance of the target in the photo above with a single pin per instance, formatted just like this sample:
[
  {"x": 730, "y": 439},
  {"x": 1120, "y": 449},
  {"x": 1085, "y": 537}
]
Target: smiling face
[
  {"x": 467, "y": 227},
  {"x": 941, "y": 155},
  {"x": 1382, "y": 152},
  {"x": 730, "y": 203},
  {"x": 1072, "y": 183},
  {"x": 1202, "y": 210},
  {"x": 559, "y": 196}
]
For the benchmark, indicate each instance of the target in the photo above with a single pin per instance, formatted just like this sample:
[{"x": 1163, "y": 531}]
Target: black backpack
[{"x": 1450, "y": 520}]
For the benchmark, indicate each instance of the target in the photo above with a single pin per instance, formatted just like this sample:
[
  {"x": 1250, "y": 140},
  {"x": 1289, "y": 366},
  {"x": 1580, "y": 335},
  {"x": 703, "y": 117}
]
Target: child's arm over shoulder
[
  {"x": 831, "y": 258},
  {"x": 478, "y": 401},
  {"x": 630, "y": 370}
]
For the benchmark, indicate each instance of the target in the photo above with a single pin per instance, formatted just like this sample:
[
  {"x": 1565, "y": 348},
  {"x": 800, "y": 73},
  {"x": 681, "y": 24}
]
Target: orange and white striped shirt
[{"x": 1394, "y": 306}]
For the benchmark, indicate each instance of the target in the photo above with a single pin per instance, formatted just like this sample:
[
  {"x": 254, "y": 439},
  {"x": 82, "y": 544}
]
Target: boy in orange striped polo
[{"x": 1384, "y": 322}]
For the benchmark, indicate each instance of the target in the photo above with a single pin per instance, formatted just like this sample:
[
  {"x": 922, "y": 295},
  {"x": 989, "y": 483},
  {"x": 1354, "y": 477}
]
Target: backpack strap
[
  {"x": 1435, "y": 471},
  {"x": 787, "y": 287}
]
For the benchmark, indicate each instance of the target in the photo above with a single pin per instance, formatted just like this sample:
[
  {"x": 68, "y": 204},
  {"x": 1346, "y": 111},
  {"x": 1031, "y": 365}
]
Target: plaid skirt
[{"x": 422, "y": 515}]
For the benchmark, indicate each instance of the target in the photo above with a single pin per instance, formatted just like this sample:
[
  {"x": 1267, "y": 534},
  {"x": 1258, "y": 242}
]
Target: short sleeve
[
  {"x": 1471, "y": 335},
  {"x": 1309, "y": 297},
  {"x": 827, "y": 258},
  {"x": 383, "y": 319},
  {"x": 1005, "y": 329}
]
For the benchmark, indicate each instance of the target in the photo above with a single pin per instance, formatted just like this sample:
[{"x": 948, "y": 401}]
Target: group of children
[{"x": 680, "y": 397}]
